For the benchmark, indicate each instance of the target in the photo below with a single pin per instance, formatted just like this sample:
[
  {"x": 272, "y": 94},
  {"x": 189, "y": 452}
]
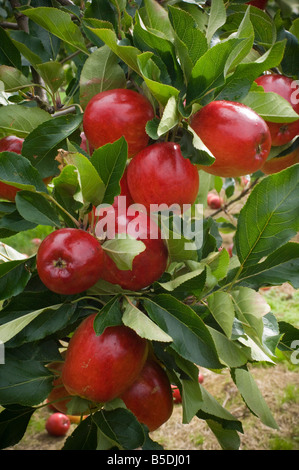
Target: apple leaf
[
  {"x": 37, "y": 209},
  {"x": 13, "y": 424},
  {"x": 17, "y": 170},
  {"x": 222, "y": 308},
  {"x": 21, "y": 120},
  {"x": 123, "y": 249},
  {"x": 14, "y": 276},
  {"x": 271, "y": 106},
  {"x": 12, "y": 78}
]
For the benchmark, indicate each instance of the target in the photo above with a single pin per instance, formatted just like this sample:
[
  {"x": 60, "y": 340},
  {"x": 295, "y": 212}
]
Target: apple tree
[{"x": 187, "y": 300}]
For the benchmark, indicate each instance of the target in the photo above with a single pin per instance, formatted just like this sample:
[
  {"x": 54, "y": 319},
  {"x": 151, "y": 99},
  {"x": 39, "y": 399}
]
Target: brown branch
[{"x": 8, "y": 25}]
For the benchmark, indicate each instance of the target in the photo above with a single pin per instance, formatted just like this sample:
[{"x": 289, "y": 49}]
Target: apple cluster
[{"x": 114, "y": 364}]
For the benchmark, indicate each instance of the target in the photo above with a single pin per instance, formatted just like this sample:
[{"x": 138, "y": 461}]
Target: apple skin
[
  {"x": 176, "y": 394},
  {"x": 100, "y": 368},
  {"x": 150, "y": 396},
  {"x": 261, "y": 4},
  {"x": 149, "y": 265},
  {"x": 214, "y": 201},
  {"x": 281, "y": 133},
  {"x": 14, "y": 144},
  {"x": 277, "y": 164},
  {"x": 236, "y": 135},
  {"x": 58, "y": 424},
  {"x": 69, "y": 261},
  {"x": 159, "y": 174},
  {"x": 112, "y": 114}
]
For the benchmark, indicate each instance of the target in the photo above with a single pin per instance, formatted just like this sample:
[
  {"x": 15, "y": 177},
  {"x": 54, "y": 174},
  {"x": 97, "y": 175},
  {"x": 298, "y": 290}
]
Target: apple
[
  {"x": 261, "y": 4},
  {"x": 237, "y": 137},
  {"x": 111, "y": 114},
  {"x": 159, "y": 174},
  {"x": 100, "y": 368},
  {"x": 149, "y": 265},
  {"x": 282, "y": 133},
  {"x": 69, "y": 261},
  {"x": 214, "y": 201},
  {"x": 85, "y": 144},
  {"x": 150, "y": 396},
  {"x": 58, "y": 424},
  {"x": 14, "y": 144},
  {"x": 176, "y": 394},
  {"x": 201, "y": 378},
  {"x": 274, "y": 165}
]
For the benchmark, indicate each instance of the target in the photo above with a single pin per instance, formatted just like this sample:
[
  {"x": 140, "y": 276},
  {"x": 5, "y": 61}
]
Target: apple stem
[{"x": 76, "y": 222}]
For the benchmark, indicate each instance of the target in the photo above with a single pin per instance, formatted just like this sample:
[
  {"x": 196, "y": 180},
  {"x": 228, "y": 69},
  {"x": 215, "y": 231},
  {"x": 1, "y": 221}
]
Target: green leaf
[
  {"x": 26, "y": 383},
  {"x": 109, "y": 315},
  {"x": 14, "y": 276},
  {"x": 142, "y": 324},
  {"x": 228, "y": 438},
  {"x": 12, "y": 328},
  {"x": 191, "y": 399},
  {"x": 52, "y": 73},
  {"x": 252, "y": 397},
  {"x": 12, "y": 78},
  {"x": 9, "y": 54},
  {"x": 217, "y": 18},
  {"x": 110, "y": 162},
  {"x": 222, "y": 308},
  {"x": 120, "y": 427},
  {"x": 270, "y": 213},
  {"x": 18, "y": 170},
  {"x": 92, "y": 186},
  {"x": 13, "y": 424},
  {"x": 42, "y": 144},
  {"x": 35, "y": 208},
  {"x": 271, "y": 106},
  {"x": 157, "y": 18},
  {"x": 229, "y": 351},
  {"x": 170, "y": 117},
  {"x": 84, "y": 436},
  {"x": 191, "y": 338},
  {"x": 100, "y": 72},
  {"x": 20, "y": 120},
  {"x": 58, "y": 23},
  {"x": 123, "y": 249}
]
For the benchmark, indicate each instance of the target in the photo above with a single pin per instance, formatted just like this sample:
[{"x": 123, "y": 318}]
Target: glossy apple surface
[
  {"x": 58, "y": 424},
  {"x": 277, "y": 164},
  {"x": 112, "y": 114},
  {"x": 100, "y": 368},
  {"x": 14, "y": 144},
  {"x": 149, "y": 265},
  {"x": 261, "y": 4},
  {"x": 69, "y": 261},
  {"x": 238, "y": 138},
  {"x": 150, "y": 396},
  {"x": 159, "y": 174},
  {"x": 282, "y": 133}
]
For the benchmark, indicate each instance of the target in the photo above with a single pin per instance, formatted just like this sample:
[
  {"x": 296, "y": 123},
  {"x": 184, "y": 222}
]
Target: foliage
[{"x": 206, "y": 310}]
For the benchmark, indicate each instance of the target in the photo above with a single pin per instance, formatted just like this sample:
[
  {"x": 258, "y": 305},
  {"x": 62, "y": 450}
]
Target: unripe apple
[
  {"x": 100, "y": 368},
  {"x": 111, "y": 114},
  {"x": 282, "y": 133},
  {"x": 159, "y": 174},
  {"x": 150, "y": 396},
  {"x": 237, "y": 137}
]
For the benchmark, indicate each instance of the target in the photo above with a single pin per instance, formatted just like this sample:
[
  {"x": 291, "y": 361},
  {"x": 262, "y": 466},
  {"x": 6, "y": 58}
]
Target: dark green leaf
[
  {"x": 84, "y": 437},
  {"x": 14, "y": 275},
  {"x": 109, "y": 315},
  {"x": 35, "y": 208},
  {"x": 13, "y": 424}
]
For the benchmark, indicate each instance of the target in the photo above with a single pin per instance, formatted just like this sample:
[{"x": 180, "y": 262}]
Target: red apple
[
  {"x": 85, "y": 144},
  {"x": 69, "y": 261},
  {"x": 149, "y": 265},
  {"x": 150, "y": 396},
  {"x": 58, "y": 424},
  {"x": 100, "y": 368},
  {"x": 261, "y": 4},
  {"x": 176, "y": 394},
  {"x": 112, "y": 114},
  {"x": 214, "y": 201},
  {"x": 14, "y": 144},
  {"x": 282, "y": 133},
  {"x": 159, "y": 174},
  {"x": 237, "y": 136}
]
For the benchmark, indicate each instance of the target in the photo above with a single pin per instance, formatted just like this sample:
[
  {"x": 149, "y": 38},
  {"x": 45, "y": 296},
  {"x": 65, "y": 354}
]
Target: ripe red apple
[
  {"x": 58, "y": 424},
  {"x": 159, "y": 174},
  {"x": 201, "y": 378},
  {"x": 277, "y": 164},
  {"x": 69, "y": 261},
  {"x": 150, "y": 396},
  {"x": 14, "y": 144},
  {"x": 112, "y": 114},
  {"x": 214, "y": 201},
  {"x": 100, "y": 368},
  {"x": 261, "y": 4},
  {"x": 237, "y": 136},
  {"x": 176, "y": 394},
  {"x": 149, "y": 265},
  {"x": 282, "y": 133},
  {"x": 85, "y": 145}
]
